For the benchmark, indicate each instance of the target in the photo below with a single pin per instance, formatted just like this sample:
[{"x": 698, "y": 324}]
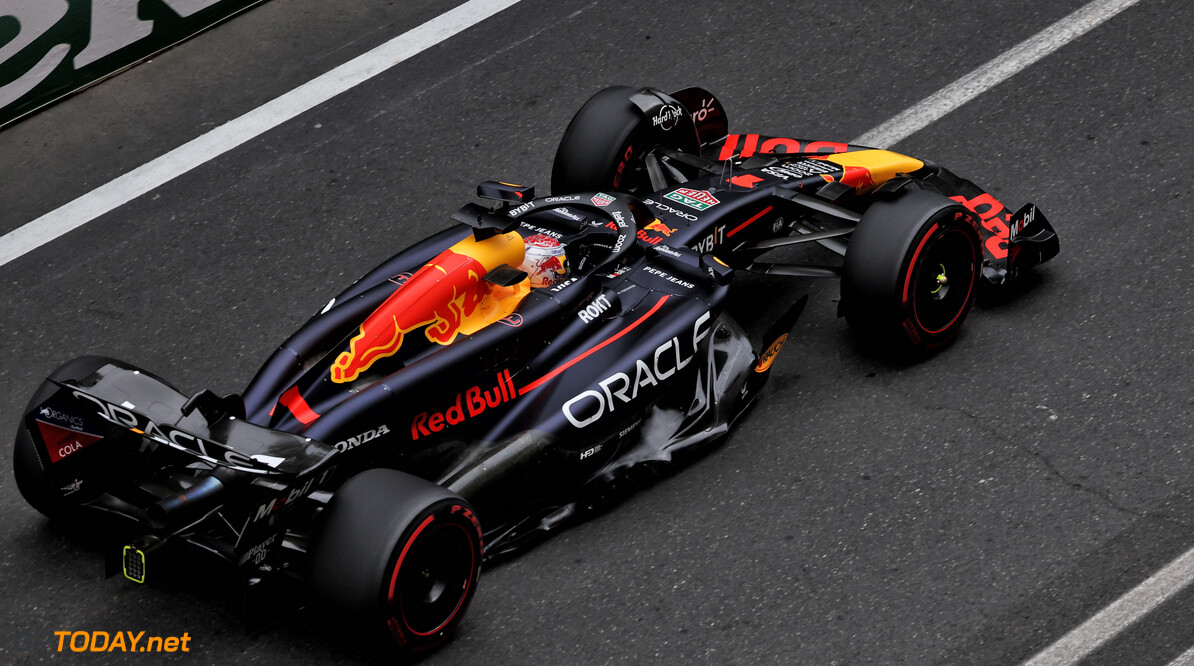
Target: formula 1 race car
[{"x": 517, "y": 370}]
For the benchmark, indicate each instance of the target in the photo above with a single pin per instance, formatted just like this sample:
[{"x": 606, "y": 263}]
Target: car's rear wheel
[
  {"x": 911, "y": 271},
  {"x": 397, "y": 555}
]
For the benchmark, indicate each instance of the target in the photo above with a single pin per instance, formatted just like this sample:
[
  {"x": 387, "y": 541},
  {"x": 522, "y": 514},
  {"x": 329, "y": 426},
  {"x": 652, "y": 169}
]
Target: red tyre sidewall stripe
[
  {"x": 405, "y": 549},
  {"x": 969, "y": 287},
  {"x": 398, "y": 567},
  {"x": 912, "y": 264}
]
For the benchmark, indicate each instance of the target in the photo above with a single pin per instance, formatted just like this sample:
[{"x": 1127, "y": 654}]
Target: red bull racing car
[{"x": 516, "y": 370}]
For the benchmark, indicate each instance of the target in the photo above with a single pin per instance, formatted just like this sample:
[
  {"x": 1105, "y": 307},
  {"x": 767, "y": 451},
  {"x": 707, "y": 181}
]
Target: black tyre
[
  {"x": 397, "y": 555},
  {"x": 602, "y": 148},
  {"x": 911, "y": 271}
]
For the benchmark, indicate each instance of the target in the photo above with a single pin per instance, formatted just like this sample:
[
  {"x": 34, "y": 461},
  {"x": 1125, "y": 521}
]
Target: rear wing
[
  {"x": 187, "y": 472},
  {"x": 118, "y": 399},
  {"x": 113, "y": 428}
]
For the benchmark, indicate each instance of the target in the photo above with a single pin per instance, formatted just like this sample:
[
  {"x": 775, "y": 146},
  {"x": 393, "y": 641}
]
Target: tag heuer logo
[
  {"x": 602, "y": 200},
  {"x": 698, "y": 199}
]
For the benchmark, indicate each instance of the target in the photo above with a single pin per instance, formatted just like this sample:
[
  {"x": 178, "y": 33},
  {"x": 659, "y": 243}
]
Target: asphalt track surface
[{"x": 969, "y": 509}]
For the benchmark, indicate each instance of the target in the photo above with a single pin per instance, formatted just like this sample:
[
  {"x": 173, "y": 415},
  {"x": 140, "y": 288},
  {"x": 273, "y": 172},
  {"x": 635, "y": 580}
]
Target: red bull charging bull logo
[
  {"x": 447, "y": 296},
  {"x": 657, "y": 227},
  {"x": 859, "y": 178},
  {"x": 550, "y": 265},
  {"x": 660, "y": 227}
]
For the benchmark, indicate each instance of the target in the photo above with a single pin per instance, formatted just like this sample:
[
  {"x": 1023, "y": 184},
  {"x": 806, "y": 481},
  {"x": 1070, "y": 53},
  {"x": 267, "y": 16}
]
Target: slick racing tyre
[
  {"x": 603, "y": 147},
  {"x": 397, "y": 556},
  {"x": 911, "y": 271}
]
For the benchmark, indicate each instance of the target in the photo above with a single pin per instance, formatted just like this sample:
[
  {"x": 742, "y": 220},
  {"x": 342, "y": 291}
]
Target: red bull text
[{"x": 471, "y": 403}]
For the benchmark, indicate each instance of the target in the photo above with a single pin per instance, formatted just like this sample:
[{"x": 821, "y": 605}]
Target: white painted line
[
  {"x": 222, "y": 139},
  {"x": 1184, "y": 659},
  {"x": 1119, "y": 615},
  {"x": 998, "y": 70},
  {"x": 236, "y": 132}
]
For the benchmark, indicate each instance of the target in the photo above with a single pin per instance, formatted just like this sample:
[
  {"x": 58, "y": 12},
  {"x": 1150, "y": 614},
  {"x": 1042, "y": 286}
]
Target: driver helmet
[{"x": 544, "y": 261}]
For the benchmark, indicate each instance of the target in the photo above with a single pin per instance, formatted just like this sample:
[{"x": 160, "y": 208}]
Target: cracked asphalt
[{"x": 967, "y": 509}]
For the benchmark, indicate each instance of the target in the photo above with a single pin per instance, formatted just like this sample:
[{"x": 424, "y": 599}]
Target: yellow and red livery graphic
[
  {"x": 857, "y": 177},
  {"x": 660, "y": 227},
  {"x": 472, "y": 402},
  {"x": 864, "y": 169},
  {"x": 447, "y": 296}
]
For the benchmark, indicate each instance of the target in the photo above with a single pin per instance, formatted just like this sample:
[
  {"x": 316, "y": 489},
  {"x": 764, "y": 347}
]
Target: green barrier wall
[{"x": 51, "y": 48}]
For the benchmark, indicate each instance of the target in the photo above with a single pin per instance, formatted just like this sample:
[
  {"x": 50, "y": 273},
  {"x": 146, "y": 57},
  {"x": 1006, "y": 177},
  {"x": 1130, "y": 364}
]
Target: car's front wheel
[
  {"x": 911, "y": 271},
  {"x": 603, "y": 146}
]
